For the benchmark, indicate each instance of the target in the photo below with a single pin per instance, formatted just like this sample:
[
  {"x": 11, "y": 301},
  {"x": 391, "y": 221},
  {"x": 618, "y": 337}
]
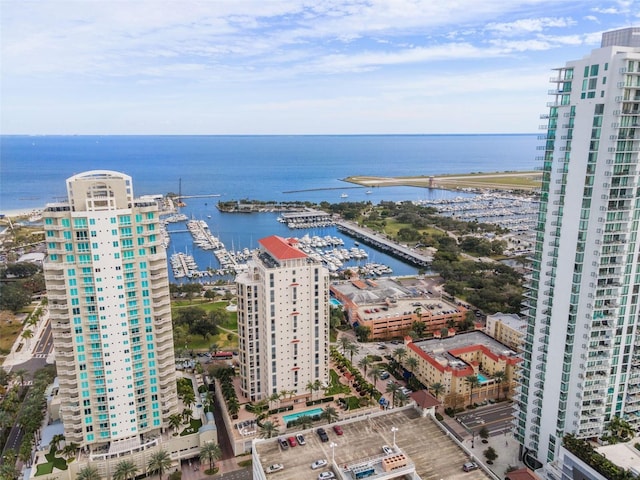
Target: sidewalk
[
  {"x": 16, "y": 357},
  {"x": 505, "y": 446}
]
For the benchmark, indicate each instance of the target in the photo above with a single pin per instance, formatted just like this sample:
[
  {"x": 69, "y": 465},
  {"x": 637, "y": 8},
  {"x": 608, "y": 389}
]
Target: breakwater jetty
[{"x": 382, "y": 243}]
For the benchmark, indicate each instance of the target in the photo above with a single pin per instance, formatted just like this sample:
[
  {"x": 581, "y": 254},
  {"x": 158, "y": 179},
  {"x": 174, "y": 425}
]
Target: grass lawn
[
  {"x": 10, "y": 328},
  {"x": 52, "y": 462},
  {"x": 226, "y": 339},
  {"x": 192, "y": 428},
  {"x": 336, "y": 387}
]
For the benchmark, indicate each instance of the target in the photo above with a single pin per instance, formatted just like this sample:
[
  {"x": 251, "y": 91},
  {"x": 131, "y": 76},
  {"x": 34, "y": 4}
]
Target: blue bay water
[{"x": 33, "y": 171}]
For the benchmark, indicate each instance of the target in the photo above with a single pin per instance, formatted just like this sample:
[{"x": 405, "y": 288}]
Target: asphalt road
[{"x": 496, "y": 418}]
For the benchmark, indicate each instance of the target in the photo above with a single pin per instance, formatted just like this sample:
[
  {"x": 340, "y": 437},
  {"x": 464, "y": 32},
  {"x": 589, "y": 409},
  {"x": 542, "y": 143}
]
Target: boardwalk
[{"x": 381, "y": 242}]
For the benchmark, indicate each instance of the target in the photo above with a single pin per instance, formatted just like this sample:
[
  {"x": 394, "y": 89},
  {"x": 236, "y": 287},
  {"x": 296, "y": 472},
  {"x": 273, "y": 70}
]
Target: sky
[{"x": 290, "y": 67}]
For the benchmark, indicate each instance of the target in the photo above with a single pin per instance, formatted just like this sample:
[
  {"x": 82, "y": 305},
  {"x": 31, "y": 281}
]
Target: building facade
[
  {"x": 389, "y": 309},
  {"x": 108, "y": 292},
  {"x": 507, "y": 328},
  {"x": 283, "y": 321},
  {"x": 581, "y": 360},
  {"x": 452, "y": 360}
]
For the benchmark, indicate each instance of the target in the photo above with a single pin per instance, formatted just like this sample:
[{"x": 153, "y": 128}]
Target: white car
[
  {"x": 387, "y": 450},
  {"x": 318, "y": 464},
  {"x": 326, "y": 476},
  {"x": 300, "y": 439},
  {"x": 274, "y": 468}
]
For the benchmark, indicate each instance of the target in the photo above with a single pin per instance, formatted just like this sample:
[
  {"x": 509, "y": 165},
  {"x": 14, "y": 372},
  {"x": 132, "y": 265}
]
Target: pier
[{"x": 378, "y": 241}]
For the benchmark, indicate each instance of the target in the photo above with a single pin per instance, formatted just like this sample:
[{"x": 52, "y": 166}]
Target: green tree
[
  {"x": 418, "y": 326},
  {"x": 490, "y": 454},
  {"x": 362, "y": 333},
  {"x": 375, "y": 373},
  {"x": 411, "y": 364},
  {"x": 175, "y": 421},
  {"x": 437, "y": 389},
  {"x": 159, "y": 462},
  {"x": 88, "y": 473},
  {"x": 344, "y": 343},
  {"x": 268, "y": 429},
  {"x": 69, "y": 450},
  {"x": 499, "y": 377},
  {"x": 393, "y": 388},
  {"x": 304, "y": 422},
  {"x": 125, "y": 470},
  {"x": 473, "y": 382},
  {"x": 399, "y": 354},
  {"x": 352, "y": 348},
  {"x": 56, "y": 440},
  {"x": 210, "y": 452},
  {"x": 330, "y": 414},
  {"x": 364, "y": 363}
]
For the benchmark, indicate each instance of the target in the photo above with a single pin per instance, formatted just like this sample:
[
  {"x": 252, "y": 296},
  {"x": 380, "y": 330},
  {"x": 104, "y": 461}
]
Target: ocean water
[{"x": 33, "y": 171}]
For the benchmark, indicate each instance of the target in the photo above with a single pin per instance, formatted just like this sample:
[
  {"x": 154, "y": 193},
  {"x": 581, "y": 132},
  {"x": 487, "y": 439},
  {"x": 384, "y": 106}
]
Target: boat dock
[
  {"x": 308, "y": 219},
  {"x": 382, "y": 243}
]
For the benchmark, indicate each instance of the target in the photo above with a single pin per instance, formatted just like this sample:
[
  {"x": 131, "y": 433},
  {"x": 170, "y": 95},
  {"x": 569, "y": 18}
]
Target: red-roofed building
[
  {"x": 450, "y": 361},
  {"x": 283, "y": 320}
]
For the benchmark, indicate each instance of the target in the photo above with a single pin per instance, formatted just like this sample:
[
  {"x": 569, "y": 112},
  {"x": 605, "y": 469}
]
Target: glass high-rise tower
[
  {"x": 581, "y": 363},
  {"x": 108, "y": 291}
]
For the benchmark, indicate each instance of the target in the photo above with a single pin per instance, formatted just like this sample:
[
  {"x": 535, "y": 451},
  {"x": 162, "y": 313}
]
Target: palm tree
[
  {"x": 375, "y": 373},
  {"x": 55, "y": 442},
  {"x": 317, "y": 385},
  {"x": 213, "y": 348},
  {"x": 125, "y": 470},
  {"x": 473, "y": 382},
  {"x": 402, "y": 399},
  {"x": 274, "y": 398},
  {"x": 187, "y": 414},
  {"x": 268, "y": 429},
  {"x": 27, "y": 335},
  {"x": 69, "y": 450},
  {"x": 159, "y": 462},
  {"x": 499, "y": 377},
  {"x": 399, "y": 354},
  {"x": 437, "y": 388},
  {"x": 88, "y": 473},
  {"x": 330, "y": 414},
  {"x": 21, "y": 372},
  {"x": 189, "y": 398},
  {"x": 411, "y": 364},
  {"x": 364, "y": 363},
  {"x": 210, "y": 452},
  {"x": 175, "y": 420},
  {"x": 344, "y": 342},
  {"x": 352, "y": 348},
  {"x": 393, "y": 389},
  {"x": 304, "y": 422},
  {"x": 311, "y": 387}
]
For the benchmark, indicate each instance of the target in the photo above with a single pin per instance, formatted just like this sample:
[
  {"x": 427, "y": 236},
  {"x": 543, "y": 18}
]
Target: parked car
[
  {"x": 318, "y": 464},
  {"x": 274, "y": 468},
  {"x": 384, "y": 375},
  {"x": 469, "y": 466},
  {"x": 322, "y": 434},
  {"x": 326, "y": 476},
  {"x": 292, "y": 441},
  {"x": 338, "y": 429},
  {"x": 387, "y": 449},
  {"x": 300, "y": 439},
  {"x": 283, "y": 443}
]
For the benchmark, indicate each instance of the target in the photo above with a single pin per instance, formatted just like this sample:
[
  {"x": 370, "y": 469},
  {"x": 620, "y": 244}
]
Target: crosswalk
[{"x": 40, "y": 355}]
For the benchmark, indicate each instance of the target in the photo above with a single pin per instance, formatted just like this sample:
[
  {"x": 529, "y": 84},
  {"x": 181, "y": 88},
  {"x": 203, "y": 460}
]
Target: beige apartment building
[
  {"x": 450, "y": 361},
  {"x": 283, "y": 320}
]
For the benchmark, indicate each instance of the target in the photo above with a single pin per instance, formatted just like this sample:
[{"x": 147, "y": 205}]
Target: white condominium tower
[
  {"x": 581, "y": 363},
  {"x": 108, "y": 291},
  {"x": 283, "y": 321}
]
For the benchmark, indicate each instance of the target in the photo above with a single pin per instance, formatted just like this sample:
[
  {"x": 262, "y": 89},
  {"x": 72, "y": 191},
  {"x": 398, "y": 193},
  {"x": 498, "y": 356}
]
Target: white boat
[
  {"x": 369, "y": 192},
  {"x": 344, "y": 195}
]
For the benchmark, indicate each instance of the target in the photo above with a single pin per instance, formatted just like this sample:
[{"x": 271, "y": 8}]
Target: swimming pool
[
  {"x": 482, "y": 378},
  {"x": 295, "y": 416},
  {"x": 335, "y": 302}
]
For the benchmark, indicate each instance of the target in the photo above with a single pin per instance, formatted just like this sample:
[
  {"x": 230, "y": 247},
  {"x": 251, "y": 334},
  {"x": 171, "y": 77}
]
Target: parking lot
[{"x": 434, "y": 453}]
